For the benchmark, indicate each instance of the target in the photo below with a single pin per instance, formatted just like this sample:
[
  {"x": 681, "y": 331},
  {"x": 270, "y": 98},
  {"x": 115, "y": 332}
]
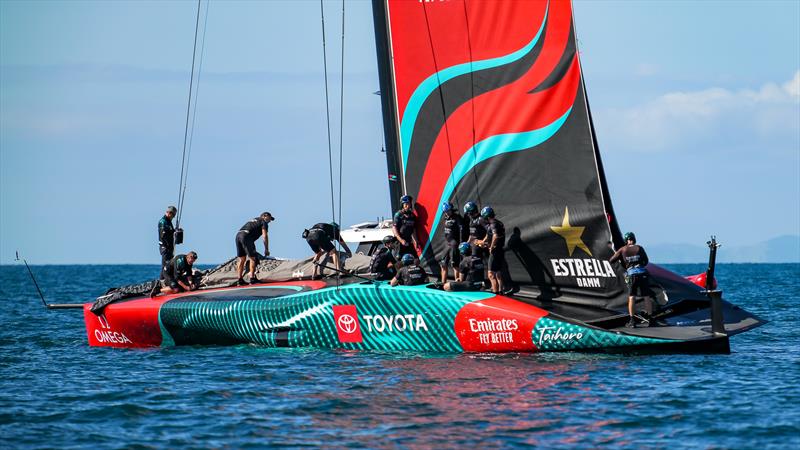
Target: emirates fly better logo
[{"x": 346, "y": 319}]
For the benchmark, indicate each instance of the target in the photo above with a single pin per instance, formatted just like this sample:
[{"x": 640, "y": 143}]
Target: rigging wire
[
  {"x": 182, "y": 201},
  {"x": 441, "y": 101},
  {"x": 181, "y": 186},
  {"x": 327, "y": 108},
  {"x": 341, "y": 122},
  {"x": 472, "y": 104}
]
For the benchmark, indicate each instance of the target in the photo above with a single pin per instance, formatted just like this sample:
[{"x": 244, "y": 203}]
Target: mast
[{"x": 387, "y": 94}]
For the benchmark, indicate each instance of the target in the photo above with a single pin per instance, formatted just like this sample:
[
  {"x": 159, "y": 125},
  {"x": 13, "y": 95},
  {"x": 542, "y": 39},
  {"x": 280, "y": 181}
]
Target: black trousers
[{"x": 166, "y": 256}]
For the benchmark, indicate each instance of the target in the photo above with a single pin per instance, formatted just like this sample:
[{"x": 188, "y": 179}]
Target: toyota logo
[{"x": 347, "y": 323}]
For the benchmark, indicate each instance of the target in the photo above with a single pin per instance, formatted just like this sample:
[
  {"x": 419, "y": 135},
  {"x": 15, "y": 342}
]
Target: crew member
[
  {"x": 634, "y": 259},
  {"x": 454, "y": 231},
  {"x": 404, "y": 225},
  {"x": 320, "y": 238},
  {"x": 477, "y": 229},
  {"x": 411, "y": 274},
  {"x": 471, "y": 271},
  {"x": 383, "y": 261},
  {"x": 246, "y": 245},
  {"x": 177, "y": 274},
  {"x": 166, "y": 237},
  {"x": 495, "y": 242}
]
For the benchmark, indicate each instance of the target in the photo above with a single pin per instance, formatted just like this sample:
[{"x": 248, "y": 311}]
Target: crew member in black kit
[
  {"x": 383, "y": 262},
  {"x": 454, "y": 233},
  {"x": 471, "y": 272},
  {"x": 634, "y": 259},
  {"x": 246, "y": 245},
  {"x": 166, "y": 237},
  {"x": 177, "y": 274},
  {"x": 320, "y": 238},
  {"x": 404, "y": 227},
  {"x": 477, "y": 228},
  {"x": 495, "y": 242},
  {"x": 411, "y": 274}
]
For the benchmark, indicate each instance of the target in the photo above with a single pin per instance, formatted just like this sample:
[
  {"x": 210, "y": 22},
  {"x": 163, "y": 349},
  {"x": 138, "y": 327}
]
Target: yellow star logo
[{"x": 571, "y": 234}]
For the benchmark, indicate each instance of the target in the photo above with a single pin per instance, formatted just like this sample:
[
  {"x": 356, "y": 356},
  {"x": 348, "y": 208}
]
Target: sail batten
[{"x": 490, "y": 105}]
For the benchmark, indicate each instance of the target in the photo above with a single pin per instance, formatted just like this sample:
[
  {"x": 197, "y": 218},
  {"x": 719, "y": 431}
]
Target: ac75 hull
[{"x": 369, "y": 316}]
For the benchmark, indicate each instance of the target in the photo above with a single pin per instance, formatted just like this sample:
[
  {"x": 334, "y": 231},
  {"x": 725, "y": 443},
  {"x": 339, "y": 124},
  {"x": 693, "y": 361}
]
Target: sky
[{"x": 696, "y": 107}]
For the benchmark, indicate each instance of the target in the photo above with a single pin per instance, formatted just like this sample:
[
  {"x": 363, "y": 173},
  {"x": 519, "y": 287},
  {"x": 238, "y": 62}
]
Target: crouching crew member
[
  {"x": 166, "y": 237},
  {"x": 383, "y": 261},
  {"x": 177, "y": 274},
  {"x": 246, "y": 244},
  {"x": 454, "y": 232},
  {"x": 411, "y": 273},
  {"x": 471, "y": 272},
  {"x": 477, "y": 229},
  {"x": 320, "y": 238},
  {"x": 496, "y": 237},
  {"x": 635, "y": 260},
  {"x": 404, "y": 227}
]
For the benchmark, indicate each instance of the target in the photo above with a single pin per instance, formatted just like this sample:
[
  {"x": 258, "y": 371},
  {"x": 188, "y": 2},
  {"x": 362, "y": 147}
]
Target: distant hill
[{"x": 781, "y": 249}]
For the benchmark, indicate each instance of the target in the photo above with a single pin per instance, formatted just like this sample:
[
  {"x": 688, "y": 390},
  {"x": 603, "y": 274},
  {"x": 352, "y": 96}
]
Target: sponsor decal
[
  {"x": 113, "y": 337},
  {"x": 491, "y": 331},
  {"x": 587, "y": 272},
  {"x": 557, "y": 335},
  {"x": 106, "y": 335},
  {"x": 346, "y": 319},
  {"x": 497, "y": 324},
  {"x": 397, "y": 322}
]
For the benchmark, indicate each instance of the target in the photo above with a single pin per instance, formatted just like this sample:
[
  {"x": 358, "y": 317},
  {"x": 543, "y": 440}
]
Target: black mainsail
[{"x": 485, "y": 101}]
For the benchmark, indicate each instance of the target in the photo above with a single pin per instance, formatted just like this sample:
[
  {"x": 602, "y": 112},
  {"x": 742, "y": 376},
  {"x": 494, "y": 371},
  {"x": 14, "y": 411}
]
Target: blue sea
[{"x": 57, "y": 392}]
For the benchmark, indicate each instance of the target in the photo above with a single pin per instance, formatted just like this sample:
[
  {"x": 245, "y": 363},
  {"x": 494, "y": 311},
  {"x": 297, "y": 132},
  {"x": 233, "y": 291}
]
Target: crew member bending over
[
  {"x": 383, "y": 261},
  {"x": 471, "y": 272},
  {"x": 454, "y": 232},
  {"x": 411, "y": 273},
  {"x": 634, "y": 259},
  {"x": 177, "y": 274},
  {"x": 246, "y": 244},
  {"x": 320, "y": 238},
  {"x": 495, "y": 241},
  {"x": 403, "y": 227}
]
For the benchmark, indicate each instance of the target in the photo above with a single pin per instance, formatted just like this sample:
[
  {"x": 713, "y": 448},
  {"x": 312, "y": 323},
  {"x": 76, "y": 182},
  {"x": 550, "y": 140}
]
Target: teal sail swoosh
[
  {"x": 430, "y": 84},
  {"x": 489, "y": 148}
]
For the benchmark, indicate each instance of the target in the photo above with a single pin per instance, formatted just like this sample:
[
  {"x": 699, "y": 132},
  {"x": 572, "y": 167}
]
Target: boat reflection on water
[{"x": 465, "y": 399}]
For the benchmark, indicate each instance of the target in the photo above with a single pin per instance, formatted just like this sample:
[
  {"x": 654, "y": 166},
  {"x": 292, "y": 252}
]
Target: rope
[
  {"x": 341, "y": 122},
  {"x": 327, "y": 109},
  {"x": 181, "y": 186},
  {"x": 472, "y": 103},
  {"x": 194, "y": 112}
]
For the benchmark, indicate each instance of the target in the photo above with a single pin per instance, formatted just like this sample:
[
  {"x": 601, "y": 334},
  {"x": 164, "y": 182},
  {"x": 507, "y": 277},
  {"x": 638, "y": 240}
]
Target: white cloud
[{"x": 716, "y": 116}]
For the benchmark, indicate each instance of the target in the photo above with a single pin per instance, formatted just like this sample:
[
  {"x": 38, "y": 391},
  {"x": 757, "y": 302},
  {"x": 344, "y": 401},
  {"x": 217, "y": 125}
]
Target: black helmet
[
  {"x": 406, "y": 199},
  {"x": 407, "y": 259},
  {"x": 629, "y": 236},
  {"x": 487, "y": 211},
  {"x": 470, "y": 207},
  {"x": 463, "y": 248},
  {"x": 387, "y": 240}
]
